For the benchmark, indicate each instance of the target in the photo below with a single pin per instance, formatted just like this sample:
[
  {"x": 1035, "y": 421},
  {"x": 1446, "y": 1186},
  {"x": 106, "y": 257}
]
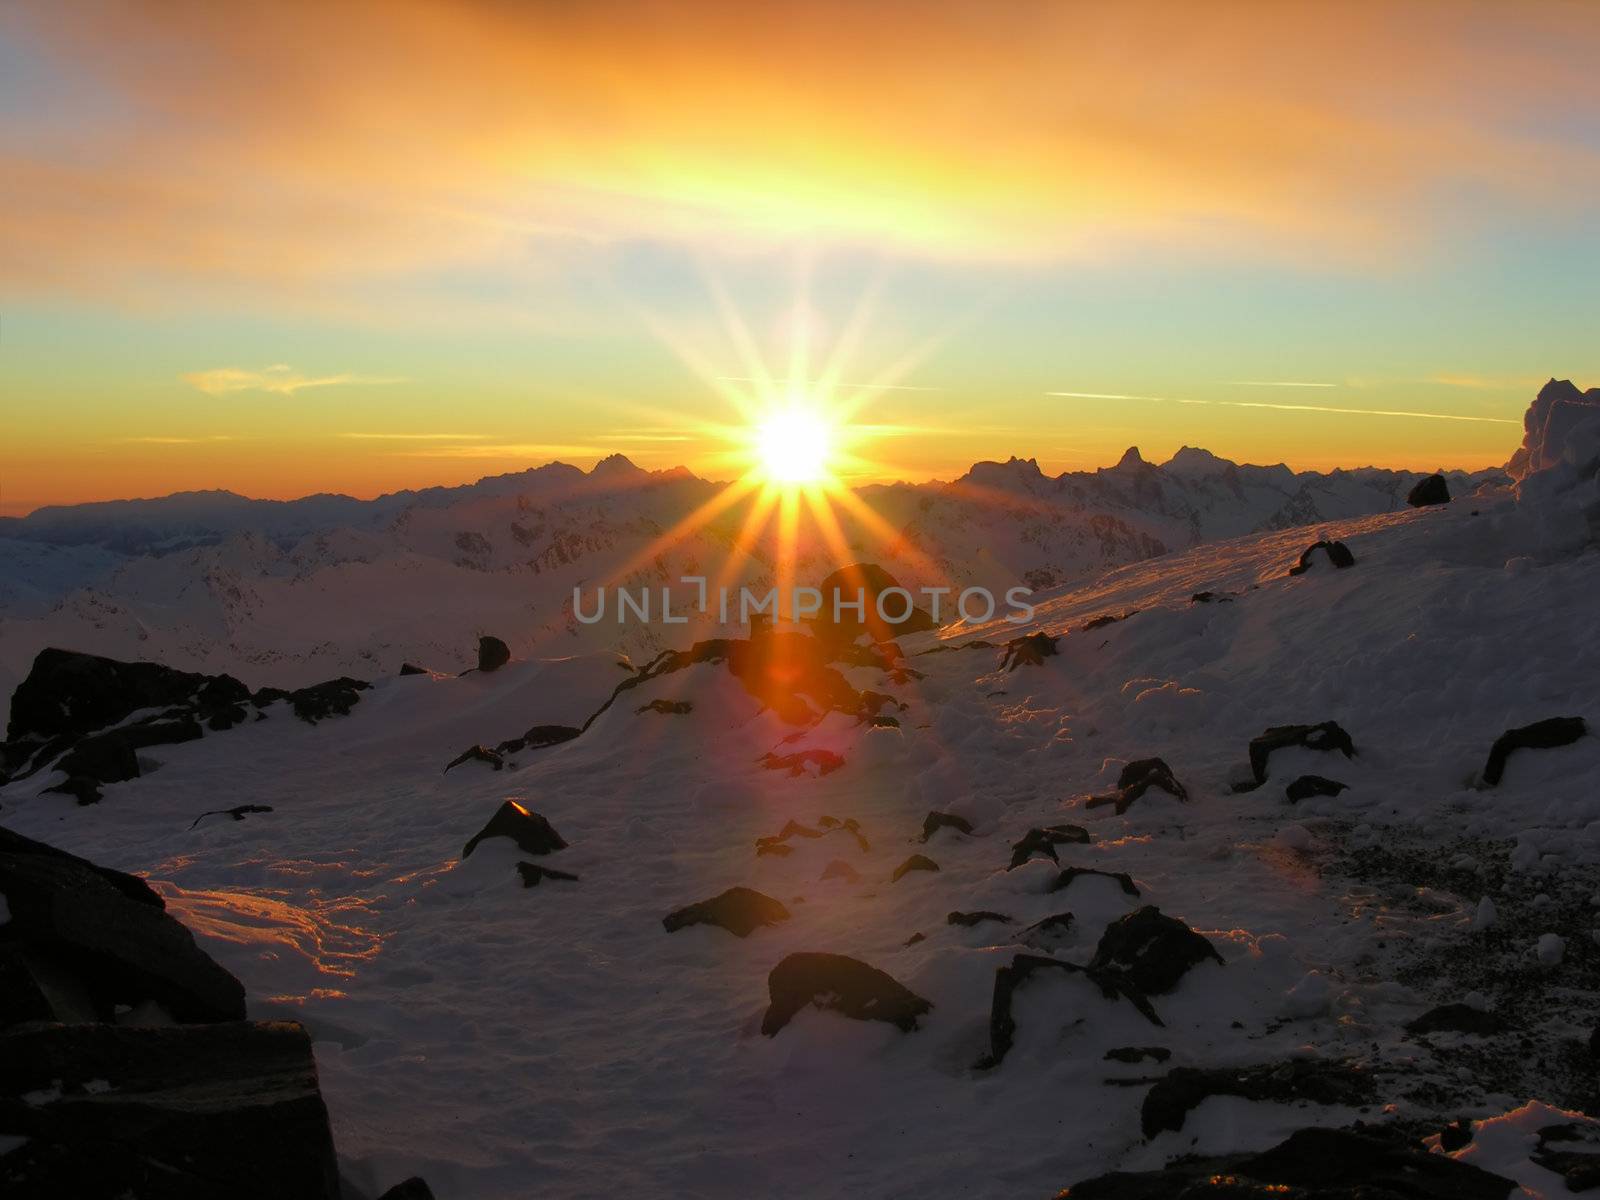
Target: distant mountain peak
[
  {"x": 1131, "y": 458},
  {"x": 614, "y": 465}
]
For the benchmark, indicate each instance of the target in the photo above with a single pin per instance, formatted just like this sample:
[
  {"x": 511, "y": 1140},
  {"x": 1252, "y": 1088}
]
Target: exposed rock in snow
[
  {"x": 1328, "y": 735},
  {"x": 1045, "y": 840},
  {"x": 1170, "y": 1101},
  {"x": 1308, "y": 786},
  {"x": 1337, "y": 553},
  {"x": 534, "y": 874},
  {"x": 1151, "y": 950},
  {"x": 1432, "y": 490},
  {"x": 1456, "y": 1018},
  {"x": 839, "y": 984},
  {"x": 492, "y": 654},
  {"x": 739, "y": 910},
  {"x": 1541, "y": 735},
  {"x": 531, "y": 832},
  {"x": 1135, "y": 779},
  {"x": 917, "y": 862},
  {"x": 935, "y": 821}
]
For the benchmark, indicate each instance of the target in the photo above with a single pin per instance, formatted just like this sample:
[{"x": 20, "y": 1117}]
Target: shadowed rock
[
  {"x": 476, "y": 754},
  {"x": 826, "y": 762},
  {"x": 1183, "y": 1089},
  {"x": 1456, "y": 1018},
  {"x": 72, "y": 694},
  {"x": 113, "y": 756},
  {"x": 413, "y": 669},
  {"x": 1042, "y": 933},
  {"x": 1313, "y": 1164},
  {"x": 1151, "y": 950},
  {"x": 1044, "y": 841},
  {"x": 829, "y": 825},
  {"x": 1432, "y": 490},
  {"x": 969, "y": 919},
  {"x": 1135, "y": 779},
  {"x": 331, "y": 698},
  {"x": 492, "y": 654},
  {"x": 1210, "y": 598},
  {"x": 1327, "y": 736},
  {"x": 1105, "y": 619},
  {"x": 1572, "y": 1150},
  {"x": 839, "y": 869},
  {"x": 840, "y": 984},
  {"x": 533, "y": 874},
  {"x": 415, "y": 1188},
  {"x": 174, "y": 1113},
  {"x": 670, "y": 708},
  {"x": 82, "y": 940},
  {"x": 1029, "y": 650},
  {"x": 238, "y": 812},
  {"x": 530, "y": 831},
  {"x": 935, "y": 821},
  {"x": 1022, "y": 968},
  {"x": 850, "y": 607},
  {"x": 538, "y": 737},
  {"x": 1137, "y": 1054},
  {"x": 1338, "y": 554},
  {"x": 917, "y": 862},
  {"x": 1541, "y": 735},
  {"x": 1308, "y": 786},
  {"x": 1070, "y": 875},
  {"x": 739, "y": 910}
]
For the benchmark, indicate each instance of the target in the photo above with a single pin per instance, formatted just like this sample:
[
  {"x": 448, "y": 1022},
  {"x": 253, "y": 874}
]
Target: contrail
[{"x": 1349, "y": 412}]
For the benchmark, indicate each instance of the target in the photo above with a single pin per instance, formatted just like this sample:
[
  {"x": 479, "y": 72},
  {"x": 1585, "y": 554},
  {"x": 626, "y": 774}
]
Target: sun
[{"x": 793, "y": 445}]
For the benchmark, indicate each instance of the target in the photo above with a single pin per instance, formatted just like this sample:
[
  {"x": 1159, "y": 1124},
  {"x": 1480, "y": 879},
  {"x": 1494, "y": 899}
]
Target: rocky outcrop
[
  {"x": 492, "y": 654},
  {"x": 1432, "y": 490},
  {"x": 1024, "y": 967},
  {"x": 1337, "y": 553},
  {"x": 1307, "y": 786},
  {"x": 917, "y": 862},
  {"x": 935, "y": 821},
  {"x": 739, "y": 910},
  {"x": 1327, "y": 736},
  {"x": 854, "y": 603},
  {"x": 839, "y": 984},
  {"x": 1137, "y": 778},
  {"x": 1541, "y": 735},
  {"x": 1044, "y": 841},
  {"x": 532, "y": 833},
  {"x": 1182, "y": 1089},
  {"x": 1151, "y": 951},
  {"x": 1070, "y": 875},
  {"x": 1029, "y": 650}
]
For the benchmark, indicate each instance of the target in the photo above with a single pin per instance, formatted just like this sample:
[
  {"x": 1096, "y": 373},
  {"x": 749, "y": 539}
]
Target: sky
[{"x": 293, "y": 248}]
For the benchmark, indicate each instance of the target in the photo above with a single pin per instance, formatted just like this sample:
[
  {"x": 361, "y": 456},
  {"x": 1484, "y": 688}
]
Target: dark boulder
[
  {"x": 668, "y": 708},
  {"x": 969, "y": 919},
  {"x": 935, "y": 821},
  {"x": 1432, "y": 490},
  {"x": 331, "y": 698},
  {"x": 1326, "y": 736},
  {"x": 533, "y": 874},
  {"x": 1151, "y": 950},
  {"x": 1069, "y": 875},
  {"x": 825, "y": 761},
  {"x": 1105, "y": 619},
  {"x": 538, "y": 737},
  {"x": 1338, "y": 554},
  {"x": 530, "y": 831},
  {"x": 113, "y": 756},
  {"x": 1029, "y": 650},
  {"x": 1041, "y": 934},
  {"x": 1135, "y": 779},
  {"x": 413, "y": 669},
  {"x": 238, "y": 812},
  {"x": 841, "y": 984},
  {"x": 1312, "y": 1164},
  {"x": 739, "y": 910},
  {"x": 1456, "y": 1135},
  {"x": 1572, "y": 1150},
  {"x": 415, "y": 1188},
  {"x": 492, "y": 654},
  {"x": 1182, "y": 1089},
  {"x": 1308, "y": 786},
  {"x": 917, "y": 862},
  {"x": 1541, "y": 735},
  {"x": 1045, "y": 840},
  {"x": 1138, "y": 1054},
  {"x": 72, "y": 694},
  {"x": 1210, "y": 598},
  {"x": 853, "y": 603},
  {"x": 96, "y": 939},
  {"x": 174, "y": 1113},
  {"x": 1456, "y": 1018},
  {"x": 477, "y": 754},
  {"x": 1022, "y": 968}
]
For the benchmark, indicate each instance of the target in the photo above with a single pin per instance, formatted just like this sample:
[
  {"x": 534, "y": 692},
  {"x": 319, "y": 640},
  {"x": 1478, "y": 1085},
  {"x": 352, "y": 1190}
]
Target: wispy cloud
[
  {"x": 1287, "y": 383},
  {"x": 158, "y": 440},
  {"x": 1487, "y": 383},
  {"x": 1316, "y": 408},
  {"x": 280, "y": 379},
  {"x": 417, "y": 437}
]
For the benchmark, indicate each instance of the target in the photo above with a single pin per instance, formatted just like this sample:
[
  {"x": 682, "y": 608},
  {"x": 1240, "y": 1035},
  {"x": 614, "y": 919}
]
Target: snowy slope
[{"x": 500, "y": 1040}]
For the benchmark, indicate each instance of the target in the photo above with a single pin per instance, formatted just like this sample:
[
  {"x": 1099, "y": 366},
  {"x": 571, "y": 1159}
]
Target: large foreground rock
[
  {"x": 1312, "y": 1164},
  {"x": 180, "y": 1113},
  {"x": 532, "y": 833},
  {"x": 81, "y": 940},
  {"x": 739, "y": 910},
  {"x": 841, "y": 984},
  {"x": 1151, "y": 950}
]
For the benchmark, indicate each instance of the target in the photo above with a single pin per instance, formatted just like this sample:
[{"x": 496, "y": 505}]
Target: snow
[{"x": 484, "y": 1035}]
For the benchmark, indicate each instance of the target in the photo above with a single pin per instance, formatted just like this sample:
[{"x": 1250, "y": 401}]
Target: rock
[
  {"x": 538, "y": 738},
  {"x": 81, "y": 788},
  {"x": 839, "y": 984},
  {"x": 739, "y": 910},
  {"x": 793, "y": 829},
  {"x": 1045, "y": 840},
  {"x": 1022, "y": 968},
  {"x": 1541, "y": 735},
  {"x": 477, "y": 754},
  {"x": 935, "y": 821},
  {"x": 1432, "y": 490},
  {"x": 917, "y": 862},
  {"x": 1135, "y": 779},
  {"x": 238, "y": 812},
  {"x": 533, "y": 874},
  {"x": 1105, "y": 619},
  {"x": 1137, "y": 1054},
  {"x": 1210, "y": 598},
  {"x": 1042, "y": 933},
  {"x": 97, "y": 939},
  {"x": 1456, "y": 1018},
  {"x": 839, "y": 869},
  {"x": 1578, "y": 1167},
  {"x": 1151, "y": 951},
  {"x": 1070, "y": 874},
  {"x": 1338, "y": 554},
  {"x": 1550, "y": 949},
  {"x": 826, "y": 762},
  {"x": 1485, "y": 914},
  {"x": 173, "y": 1113},
  {"x": 1308, "y": 786},
  {"x": 415, "y": 1188},
  {"x": 969, "y": 919},
  {"x": 1326, "y": 736},
  {"x": 492, "y": 654},
  {"x": 1312, "y": 1164},
  {"x": 670, "y": 708},
  {"x": 331, "y": 698},
  {"x": 1456, "y": 1135},
  {"x": 1182, "y": 1090},
  {"x": 71, "y": 694},
  {"x": 1029, "y": 650},
  {"x": 914, "y": 939},
  {"x": 851, "y": 599},
  {"x": 530, "y": 831},
  {"x": 413, "y": 669},
  {"x": 773, "y": 850},
  {"x": 113, "y": 756}
]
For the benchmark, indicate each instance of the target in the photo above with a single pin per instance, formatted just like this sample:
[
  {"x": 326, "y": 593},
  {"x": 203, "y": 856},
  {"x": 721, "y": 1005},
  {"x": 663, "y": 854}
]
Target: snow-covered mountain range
[{"x": 294, "y": 591}]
